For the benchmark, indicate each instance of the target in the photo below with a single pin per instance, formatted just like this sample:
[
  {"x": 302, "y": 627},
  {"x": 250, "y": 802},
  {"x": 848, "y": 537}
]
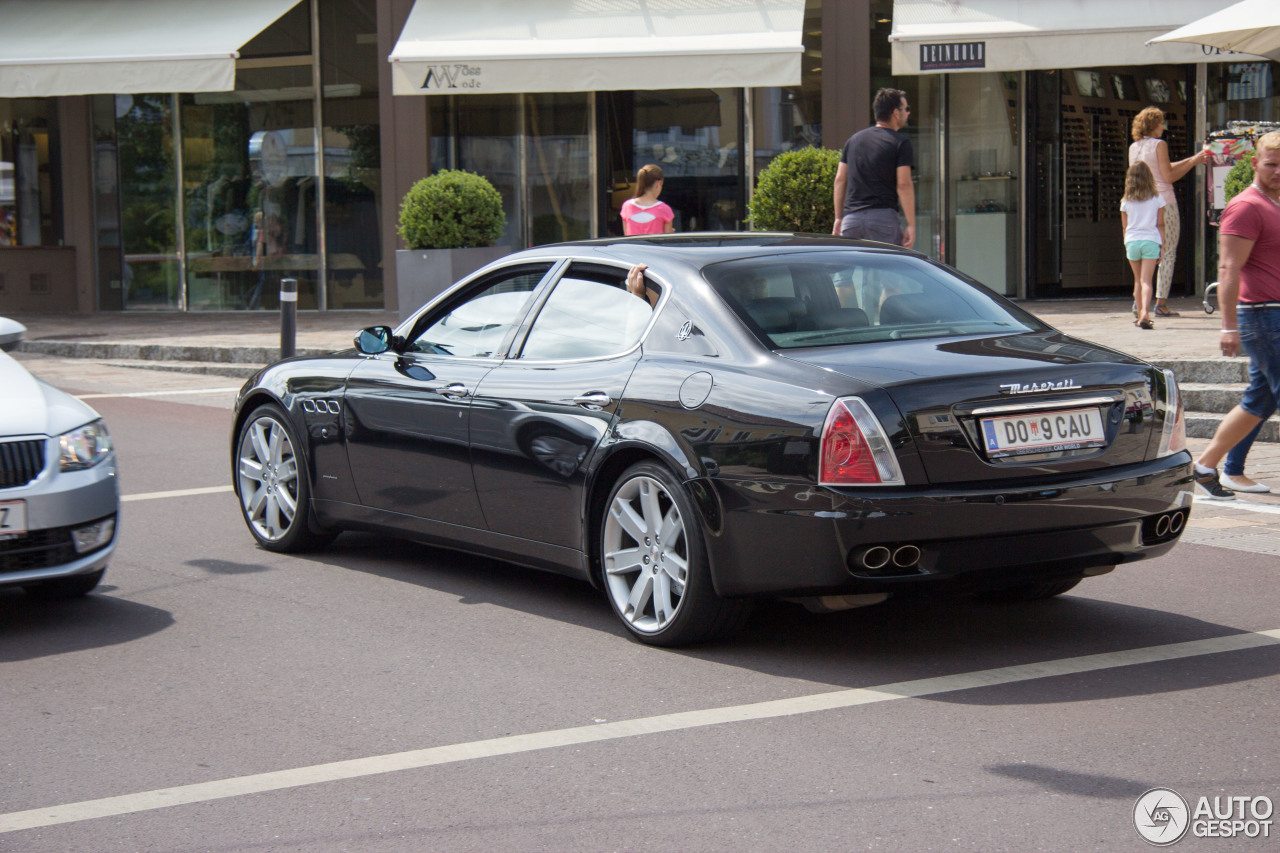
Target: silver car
[{"x": 59, "y": 496}]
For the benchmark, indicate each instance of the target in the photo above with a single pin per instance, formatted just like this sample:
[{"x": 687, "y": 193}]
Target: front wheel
[
  {"x": 655, "y": 565},
  {"x": 271, "y": 482}
]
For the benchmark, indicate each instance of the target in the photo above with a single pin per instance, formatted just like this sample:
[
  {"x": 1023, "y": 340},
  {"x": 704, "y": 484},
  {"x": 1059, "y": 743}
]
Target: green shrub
[
  {"x": 451, "y": 209},
  {"x": 1239, "y": 178},
  {"x": 794, "y": 192}
]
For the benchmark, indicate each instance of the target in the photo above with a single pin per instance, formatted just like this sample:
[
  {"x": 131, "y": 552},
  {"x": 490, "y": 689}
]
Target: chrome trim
[{"x": 1047, "y": 404}]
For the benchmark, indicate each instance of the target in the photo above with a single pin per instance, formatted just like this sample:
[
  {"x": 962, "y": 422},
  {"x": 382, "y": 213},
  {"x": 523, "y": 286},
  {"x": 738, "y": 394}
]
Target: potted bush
[
  {"x": 449, "y": 222},
  {"x": 794, "y": 192}
]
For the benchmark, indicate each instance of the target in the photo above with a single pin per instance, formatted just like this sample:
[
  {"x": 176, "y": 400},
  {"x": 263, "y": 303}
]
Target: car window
[
  {"x": 476, "y": 326},
  {"x": 832, "y": 298},
  {"x": 589, "y": 314}
]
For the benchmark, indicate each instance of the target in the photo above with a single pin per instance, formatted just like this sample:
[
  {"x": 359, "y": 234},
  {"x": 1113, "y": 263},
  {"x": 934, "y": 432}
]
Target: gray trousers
[{"x": 876, "y": 223}]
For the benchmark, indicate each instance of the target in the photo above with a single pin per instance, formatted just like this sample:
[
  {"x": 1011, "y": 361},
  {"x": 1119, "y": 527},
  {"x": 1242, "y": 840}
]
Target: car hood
[
  {"x": 944, "y": 387},
  {"x": 33, "y": 407}
]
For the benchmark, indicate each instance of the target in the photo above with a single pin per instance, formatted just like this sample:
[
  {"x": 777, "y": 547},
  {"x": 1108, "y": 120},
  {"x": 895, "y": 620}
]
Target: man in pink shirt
[{"x": 1249, "y": 272}]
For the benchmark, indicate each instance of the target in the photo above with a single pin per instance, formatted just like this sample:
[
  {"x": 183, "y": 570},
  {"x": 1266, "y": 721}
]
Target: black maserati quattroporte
[{"x": 778, "y": 416}]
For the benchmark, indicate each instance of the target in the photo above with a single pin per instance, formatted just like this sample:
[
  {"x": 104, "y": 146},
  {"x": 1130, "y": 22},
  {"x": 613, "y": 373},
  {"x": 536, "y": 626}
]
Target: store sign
[
  {"x": 455, "y": 76},
  {"x": 940, "y": 57}
]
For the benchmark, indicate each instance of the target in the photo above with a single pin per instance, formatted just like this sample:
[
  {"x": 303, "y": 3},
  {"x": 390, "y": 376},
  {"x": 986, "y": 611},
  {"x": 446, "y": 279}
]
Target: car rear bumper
[{"x": 785, "y": 539}]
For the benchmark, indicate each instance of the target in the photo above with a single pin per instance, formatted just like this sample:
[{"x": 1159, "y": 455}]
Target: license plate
[
  {"x": 13, "y": 518},
  {"x": 1043, "y": 432}
]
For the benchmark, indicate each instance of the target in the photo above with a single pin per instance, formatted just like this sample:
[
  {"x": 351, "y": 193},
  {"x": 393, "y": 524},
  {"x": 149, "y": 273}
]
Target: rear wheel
[
  {"x": 271, "y": 482},
  {"x": 69, "y": 587},
  {"x": 1032, "y": 591},
  {"x": 655, "y": 566}
]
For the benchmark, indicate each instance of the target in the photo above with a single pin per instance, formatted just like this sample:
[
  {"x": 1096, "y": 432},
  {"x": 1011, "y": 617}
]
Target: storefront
[
  {"x": 1037, "y": 101},
  {"x": 298, "y": 125}
]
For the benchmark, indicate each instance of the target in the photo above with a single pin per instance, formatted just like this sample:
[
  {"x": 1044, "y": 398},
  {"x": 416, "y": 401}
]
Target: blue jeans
[
  {"x": 1260, "y": 339},
  {"x": 873, "y": 223}
]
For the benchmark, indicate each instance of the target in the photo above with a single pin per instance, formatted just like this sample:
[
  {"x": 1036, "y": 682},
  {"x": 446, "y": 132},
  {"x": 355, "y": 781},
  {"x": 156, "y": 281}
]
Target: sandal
[
  {"x": 1146, "y": 324},
  {"x": 1166, "y": 311}
]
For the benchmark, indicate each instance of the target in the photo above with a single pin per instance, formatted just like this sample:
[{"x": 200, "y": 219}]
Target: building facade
[{"x": 156, "y": 200}]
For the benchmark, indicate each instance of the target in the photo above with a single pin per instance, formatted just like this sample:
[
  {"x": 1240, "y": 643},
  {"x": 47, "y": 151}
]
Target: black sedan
[{"x": 765, "y": 415}]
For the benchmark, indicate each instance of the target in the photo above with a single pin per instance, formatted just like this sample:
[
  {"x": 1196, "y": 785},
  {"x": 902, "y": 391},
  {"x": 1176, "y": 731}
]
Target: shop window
[
  {"x": 30, "y": 186},
  {"x": 352, "y": 153}
]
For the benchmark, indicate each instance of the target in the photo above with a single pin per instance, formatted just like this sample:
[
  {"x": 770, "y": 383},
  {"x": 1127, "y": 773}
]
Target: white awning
[
  {"x": 88, "y": 47},
  {"x": 493, "y": 46},
  {"x": 939, "y": 36},
  {"x": 1250, "y": 26}
]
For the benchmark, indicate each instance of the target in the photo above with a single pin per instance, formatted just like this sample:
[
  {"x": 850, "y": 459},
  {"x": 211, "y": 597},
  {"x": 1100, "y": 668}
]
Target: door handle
[
  {"x": 593, "y": 400},
  {"x": 454, "y": 391}
]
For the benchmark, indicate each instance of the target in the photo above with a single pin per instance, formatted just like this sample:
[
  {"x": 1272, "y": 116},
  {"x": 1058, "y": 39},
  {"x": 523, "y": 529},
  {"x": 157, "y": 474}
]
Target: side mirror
[
  {"x": 11, "y": 332},
  {"x": 375, "y": 340}
]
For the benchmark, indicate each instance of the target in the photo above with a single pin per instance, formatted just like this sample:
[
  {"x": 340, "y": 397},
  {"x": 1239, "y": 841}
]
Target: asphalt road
[{"x": 387, "y": 696}]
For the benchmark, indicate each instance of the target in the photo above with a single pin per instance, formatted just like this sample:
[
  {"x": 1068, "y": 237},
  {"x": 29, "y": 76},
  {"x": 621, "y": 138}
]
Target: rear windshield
[{"x": 828, "y": 298}]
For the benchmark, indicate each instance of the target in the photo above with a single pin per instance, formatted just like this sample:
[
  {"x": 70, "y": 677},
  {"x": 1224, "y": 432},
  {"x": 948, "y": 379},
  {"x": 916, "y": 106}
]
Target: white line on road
[
  {"x": 375, "y": 765},
  {"x": 176, "y": 493},
  {"x": 158, "y": 393}
]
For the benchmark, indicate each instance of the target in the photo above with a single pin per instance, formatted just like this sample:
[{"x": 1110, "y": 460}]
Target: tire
[
  {"x": 69, "y": 587},
  {"x": 654, "y": 565},
  {"x": 271, "y": 483},
  {"x": 1031, "y": 591}
]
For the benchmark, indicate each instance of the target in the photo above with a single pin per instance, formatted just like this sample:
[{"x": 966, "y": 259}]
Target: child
[
  {"x": 1142, "y": 217},
  {"x": 644, "y": 214}
]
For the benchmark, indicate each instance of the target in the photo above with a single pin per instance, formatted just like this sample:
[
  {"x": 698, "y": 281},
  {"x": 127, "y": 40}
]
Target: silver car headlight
[{"x": 84, "y": 447}]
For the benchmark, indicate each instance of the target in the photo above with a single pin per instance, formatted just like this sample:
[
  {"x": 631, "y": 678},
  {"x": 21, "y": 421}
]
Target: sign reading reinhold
[{"x": 966, "y": 54}]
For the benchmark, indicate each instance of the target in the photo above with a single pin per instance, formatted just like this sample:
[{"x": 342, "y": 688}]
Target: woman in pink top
[
  {"x": 1149, "y": 148},
  {"x": 644, "y": 214}
]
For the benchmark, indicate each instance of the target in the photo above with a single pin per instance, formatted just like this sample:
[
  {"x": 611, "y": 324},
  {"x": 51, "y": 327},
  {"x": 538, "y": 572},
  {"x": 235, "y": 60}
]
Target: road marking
[
  {"x": 157, "y": 393},
  {"x": 176, "y": 493},
  {"x": 361, "y": 767}
]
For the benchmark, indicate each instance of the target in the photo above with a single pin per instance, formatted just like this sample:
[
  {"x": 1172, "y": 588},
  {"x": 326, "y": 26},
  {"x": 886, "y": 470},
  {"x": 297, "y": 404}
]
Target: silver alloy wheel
[
  {"x": 646, "y": 555},
  {"x": 268, "y": 473}
]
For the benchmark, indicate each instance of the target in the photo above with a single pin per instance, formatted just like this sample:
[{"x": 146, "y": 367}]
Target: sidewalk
[{"x": 1194, "y": 335}]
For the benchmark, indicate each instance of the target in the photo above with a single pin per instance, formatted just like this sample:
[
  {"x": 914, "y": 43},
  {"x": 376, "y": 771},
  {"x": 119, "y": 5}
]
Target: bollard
[{"x": 288, "y": 317}]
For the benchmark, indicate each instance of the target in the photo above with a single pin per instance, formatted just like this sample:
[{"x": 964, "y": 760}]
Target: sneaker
[
  {"x": 1211, "y": 484},
  {"x": 1256, "y": 488}
]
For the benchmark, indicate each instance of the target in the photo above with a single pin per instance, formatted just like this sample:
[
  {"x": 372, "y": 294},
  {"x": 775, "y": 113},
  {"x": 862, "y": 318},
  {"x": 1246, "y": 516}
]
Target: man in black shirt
[{"x": 873, "y": 180}]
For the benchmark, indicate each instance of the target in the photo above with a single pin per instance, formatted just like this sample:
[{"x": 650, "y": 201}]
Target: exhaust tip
[
  {"x": 906, "y": 556},
  {"x": 1162, "y": 526},
  {"x": 876, "y": 557},
  {"x": 1176, "y": 521}
]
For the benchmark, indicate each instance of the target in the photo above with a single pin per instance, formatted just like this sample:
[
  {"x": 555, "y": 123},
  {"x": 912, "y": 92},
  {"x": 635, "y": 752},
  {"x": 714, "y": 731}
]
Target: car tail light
[
  {"x": 1173, "y": 437},
  {"x": 855, "y": 450}
]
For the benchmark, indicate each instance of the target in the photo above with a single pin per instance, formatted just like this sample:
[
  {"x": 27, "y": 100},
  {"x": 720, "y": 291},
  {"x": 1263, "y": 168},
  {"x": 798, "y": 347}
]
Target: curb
[{"x": 247, "y": 355}]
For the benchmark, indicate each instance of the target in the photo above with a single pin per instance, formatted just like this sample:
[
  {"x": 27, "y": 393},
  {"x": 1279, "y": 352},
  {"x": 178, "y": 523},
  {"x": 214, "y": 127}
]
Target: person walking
[
  {"x": 1148, "y": 147},
  {"x": 1142, "y": 218},
  {"x": 643, "y": 213},
  {"x": 873, "y": 180},
  {"x": 1249, "y": 274}
]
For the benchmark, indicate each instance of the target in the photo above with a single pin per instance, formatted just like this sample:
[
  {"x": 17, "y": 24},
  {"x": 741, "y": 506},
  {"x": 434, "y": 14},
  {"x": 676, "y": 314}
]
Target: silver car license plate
[
  {"x": 13, "y": 518},
  {"x": 1043, "y": 432}
]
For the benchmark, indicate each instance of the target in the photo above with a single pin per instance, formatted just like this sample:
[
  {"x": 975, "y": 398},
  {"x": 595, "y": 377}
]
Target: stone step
[
  {"x": 208, "y": 354},
  {"x": 209, "y": 368},
  {"x": 1204, "y": 424},
  {"x": 1207, "y": 370},
  {"x": 1205, "y": 397}
]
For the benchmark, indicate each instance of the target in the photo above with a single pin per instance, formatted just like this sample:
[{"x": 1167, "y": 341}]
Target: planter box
[{"x": 423, "y": 274}]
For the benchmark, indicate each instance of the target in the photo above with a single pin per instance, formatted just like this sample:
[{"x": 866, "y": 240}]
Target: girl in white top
[{"x": 1142, "y": 217}]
